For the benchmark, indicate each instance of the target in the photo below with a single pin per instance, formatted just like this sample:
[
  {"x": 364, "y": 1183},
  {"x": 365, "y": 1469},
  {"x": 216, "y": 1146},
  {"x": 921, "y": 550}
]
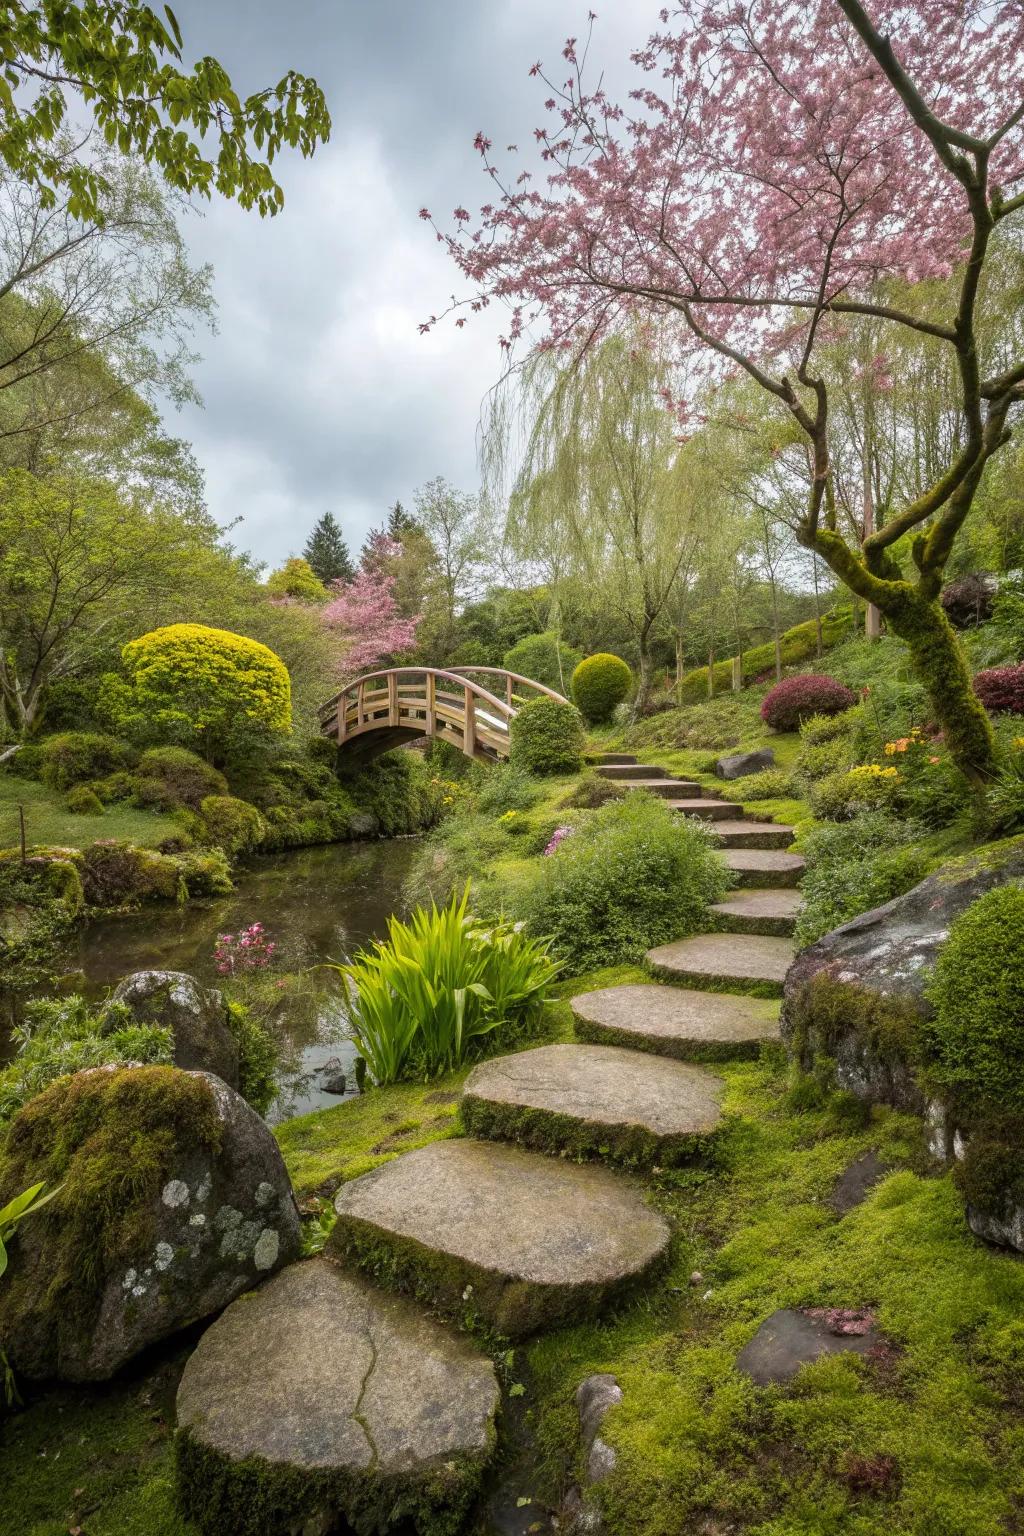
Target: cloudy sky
[{"x": 318, "y": 391}]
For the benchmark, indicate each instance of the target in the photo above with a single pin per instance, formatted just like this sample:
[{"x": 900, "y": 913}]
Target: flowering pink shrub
[
  {"x": 556, "y": 840},
  {"x": 797, "y": 698},
  {"x": 249, "y": 950},
  {"x": 1001, "y": 690},
  {"x": 365, "y": 612}
]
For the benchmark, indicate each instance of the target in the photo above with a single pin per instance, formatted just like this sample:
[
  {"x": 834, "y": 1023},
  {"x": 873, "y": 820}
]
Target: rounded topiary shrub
[
  {"x": 1001, "y": 690},
  {"x": 232, "y": 824},
  {"x": 976, "y": 1039},
  {"x": 83, "y": 801},
  {"x": 795, "y": 699},
  {"x": 204, "y": 688},
  {"x": 547, "y": 737},
  {"x": 600, "y": 683},
  {"x": 74, "y": 756}
]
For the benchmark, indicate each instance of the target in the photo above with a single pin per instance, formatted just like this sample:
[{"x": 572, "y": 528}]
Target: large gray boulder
[
  {"x": 195, "y": 1015},
  {"x": 858, "y": 994},
  {"x": 738, "y": 765},
  {"x": 174, "y": 1199}
]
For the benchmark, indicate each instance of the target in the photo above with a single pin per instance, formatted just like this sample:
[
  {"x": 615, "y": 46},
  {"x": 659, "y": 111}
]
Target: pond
[{"x": 318, "y": 904}]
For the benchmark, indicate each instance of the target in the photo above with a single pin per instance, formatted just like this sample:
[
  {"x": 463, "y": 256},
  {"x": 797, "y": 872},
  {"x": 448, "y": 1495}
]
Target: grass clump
[
  {"x": 425, "y": 999},
  {"x": 630, "y": 876},
  {"x": 61, "y": 1035},
  {"x": 771, "y": 784},
  {"x": 856, "y": 865}
]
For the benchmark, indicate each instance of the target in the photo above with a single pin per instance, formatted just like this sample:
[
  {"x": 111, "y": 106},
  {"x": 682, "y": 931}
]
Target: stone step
[
  {"x": 584, "y": 1100},
  {"x": 721, "y": 960},
  {"x": 667, "y": 789},
  {"x": 610, "y": 757},
  {"x": 512, "y": 1238},
  {"x": 633, "y": 770},
  {"x": 707, "y": 810},
  {"x": 753, "y": 834},
  {"x": 764, "y": 867},
  {"x": 354, "y": 1406},
  {"x": 673, "y": 1021},
  {"x": 765, "y": 911}
]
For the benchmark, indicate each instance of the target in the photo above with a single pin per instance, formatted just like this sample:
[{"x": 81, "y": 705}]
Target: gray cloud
[{"x": 318, "y": 390}]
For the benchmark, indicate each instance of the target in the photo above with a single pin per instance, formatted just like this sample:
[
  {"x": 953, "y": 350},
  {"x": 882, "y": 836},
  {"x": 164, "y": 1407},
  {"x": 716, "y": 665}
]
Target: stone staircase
[{"x": 491, "y": 1231}]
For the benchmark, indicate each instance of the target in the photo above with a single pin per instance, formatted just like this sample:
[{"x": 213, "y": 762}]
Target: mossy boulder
[
  {"x": 173, "y": 1200},
  {"x": 858, "y": 997},
  {"x": 118, "y": 874},
  {"x": 196, "y": 1016}
]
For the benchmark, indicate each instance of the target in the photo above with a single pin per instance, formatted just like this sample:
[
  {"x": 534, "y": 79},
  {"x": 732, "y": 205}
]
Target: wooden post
[
  {"x": 392, "y": 699},
  {"x": 469, "y": 729},
  {"x": 341, "y": 721},
  {"x": 508, "y": 689},
  {"x": 431, "y": 705},
  {"x": 360, "y": 717},
  {"x": 21, "y": 826}
]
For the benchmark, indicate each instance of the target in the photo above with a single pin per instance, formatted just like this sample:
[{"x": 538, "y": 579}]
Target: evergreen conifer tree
[{"x": 327, "y": 551}]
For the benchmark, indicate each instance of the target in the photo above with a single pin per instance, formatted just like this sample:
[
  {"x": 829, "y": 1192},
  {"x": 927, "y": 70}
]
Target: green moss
[
  {"x": 565, "y": 1136},
  {"x": 108, "y": 1137},
  {"x": 254, "y": 1497}
]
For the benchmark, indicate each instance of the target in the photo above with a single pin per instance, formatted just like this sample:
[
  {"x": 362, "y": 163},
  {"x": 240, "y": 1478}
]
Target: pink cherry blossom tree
[
  {"x": 365, "y": 613},
  {"x": 781, "y": 169}
]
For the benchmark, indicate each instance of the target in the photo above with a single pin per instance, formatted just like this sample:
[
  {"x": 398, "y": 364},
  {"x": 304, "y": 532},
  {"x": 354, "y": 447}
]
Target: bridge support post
[
  {"x": 392, "y": 699},
  {"x": 360, "y": 714},
  {"x": 342, "y": 718},
  {"x": 469, "y": 729},
  {"x": 431, "y": 704}
]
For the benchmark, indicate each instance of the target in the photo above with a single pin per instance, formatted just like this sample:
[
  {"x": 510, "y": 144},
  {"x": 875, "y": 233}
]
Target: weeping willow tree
[{"x": 587, "y": 455}]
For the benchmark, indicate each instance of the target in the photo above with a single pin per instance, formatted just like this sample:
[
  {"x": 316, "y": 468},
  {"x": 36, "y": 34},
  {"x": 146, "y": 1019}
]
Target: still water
[{"x": 319, "y": 905}]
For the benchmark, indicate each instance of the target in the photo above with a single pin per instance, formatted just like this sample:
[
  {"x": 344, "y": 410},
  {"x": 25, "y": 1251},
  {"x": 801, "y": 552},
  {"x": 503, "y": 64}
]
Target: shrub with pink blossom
[
  {"x": 796, "y": 699},
  {"x": 1001, "y": 690},
  {"x": 558, "y": 837},
  {"x": 250, "y": 950}
]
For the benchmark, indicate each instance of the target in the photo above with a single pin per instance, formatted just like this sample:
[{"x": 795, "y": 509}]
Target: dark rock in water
[
  {"x": 788, "y": 1340},
  {"x": 855, "y": 1182},
  {"x": 739, "y": 764},
  {"x": 321, "y": 1403},
  {"x": 873, "y": 971},
  {"x": 331, "y": 1076},
  {"x": 205, "y": 1210},
  {"x": 195, "y": 1015}
]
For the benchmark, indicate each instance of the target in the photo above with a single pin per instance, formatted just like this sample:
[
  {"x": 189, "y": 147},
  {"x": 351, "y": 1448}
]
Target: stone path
[{"x": 322, "y": 1398}]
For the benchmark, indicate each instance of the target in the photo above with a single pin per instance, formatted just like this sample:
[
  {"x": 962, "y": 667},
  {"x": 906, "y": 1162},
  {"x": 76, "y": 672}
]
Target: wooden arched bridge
[{"x": 383, "y": 709}]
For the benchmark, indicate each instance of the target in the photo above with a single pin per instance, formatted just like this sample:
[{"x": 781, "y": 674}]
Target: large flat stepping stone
[
  {"x": 724, "y": 960},
  {"x": 759, "y": 911},
  {"x": 673, "y": 1021},
  {"x": 665, "y": 789},
  {"x": 631, "y": 770},
  {"x": 788, "y": 1340},
  {"x": 318, "y": 1401},
  {"x": 856, "y": 1182},
  {"x": 763, "y": 866},
  {"x": 753, "y": 834},
  {"x": 587, "y": 1099},
  {"x": 539, "y": 1241}
]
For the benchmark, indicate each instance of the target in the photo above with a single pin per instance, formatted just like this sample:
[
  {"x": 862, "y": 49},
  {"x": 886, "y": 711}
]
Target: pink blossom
[
  {"x": 557, "y": 839},
  {"x": 364, "y": 611}
]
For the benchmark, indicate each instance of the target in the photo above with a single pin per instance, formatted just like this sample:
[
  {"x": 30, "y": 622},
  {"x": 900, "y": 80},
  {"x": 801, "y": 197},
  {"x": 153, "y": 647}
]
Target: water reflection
[{"x": 318, "y": 904}]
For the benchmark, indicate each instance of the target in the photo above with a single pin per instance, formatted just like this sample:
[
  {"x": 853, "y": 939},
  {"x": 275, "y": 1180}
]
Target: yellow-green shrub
[
  {"x": 600, "y": 683},
  {"x": 204, "y": 688}
]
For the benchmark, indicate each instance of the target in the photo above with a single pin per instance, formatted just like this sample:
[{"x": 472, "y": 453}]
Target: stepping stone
[
  {"x": 764, "y": 867},
  {"x": 317, "y": 1400},
  {"x": 485, "y": 1231},
  {"x": 633, "y": 770},
  {"x": 753, "y": 834},
  {"x": 672, "y": 1021},
  {"x": 708, "y": 810},
  {"x": 759, "y": 911},
  {"x": 856, "y": 1182},
  {"x": 601, "y": 758},
  {"x": 587, "y": 1099},
  {"x": 721, "y": 960},
  {"x": 666, "y": 789},
  {"x": 788, "y": 1340}
]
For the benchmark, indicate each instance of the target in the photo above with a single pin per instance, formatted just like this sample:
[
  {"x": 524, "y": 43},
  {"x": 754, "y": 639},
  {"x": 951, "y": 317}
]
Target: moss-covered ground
[
  {"x": 48, "y": 822},
  {"x": 926, "y": 1438}
]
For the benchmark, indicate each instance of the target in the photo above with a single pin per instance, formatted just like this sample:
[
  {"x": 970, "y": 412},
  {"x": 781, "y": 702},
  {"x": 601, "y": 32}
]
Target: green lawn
[{"x": 48, "y": 822}]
